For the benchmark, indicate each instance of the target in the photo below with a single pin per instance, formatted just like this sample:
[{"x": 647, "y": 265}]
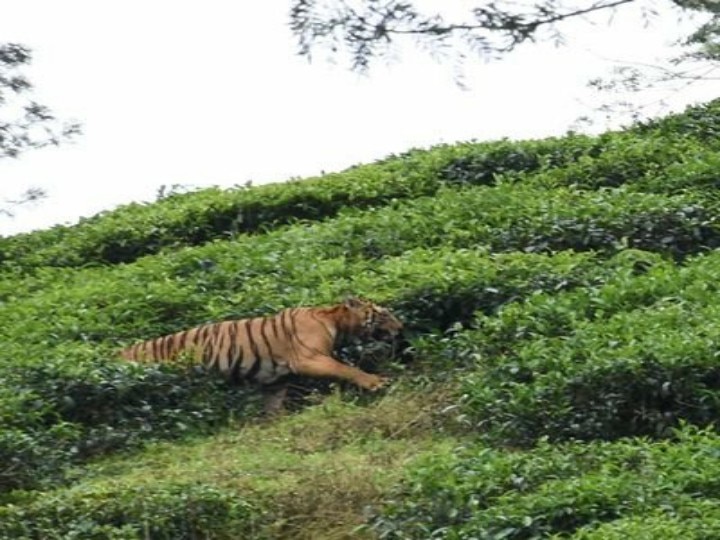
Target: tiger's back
[{"x": 256, "y": 349}]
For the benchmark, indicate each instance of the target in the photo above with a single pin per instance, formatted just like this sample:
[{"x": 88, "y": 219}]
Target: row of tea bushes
[
  {"x": 576, "y": 490},
  {"x": 104, "y": 404},
  {"x": 165, "y": 512},
  {"x": 135, "y": 230},
  {"x": 255, "y": 275},
  {"x": 631, "y": 356},
  {"x": 70, "y": 400}
]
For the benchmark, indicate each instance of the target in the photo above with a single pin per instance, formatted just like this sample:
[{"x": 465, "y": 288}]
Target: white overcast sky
[{"x": 211, "y": 92}]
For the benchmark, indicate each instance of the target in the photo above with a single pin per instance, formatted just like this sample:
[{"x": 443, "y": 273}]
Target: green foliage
[
  {"x": 165, "y": 511},
  {"x": 552, "y": 291},
  {"x": 587, "y": 489},
  {"x": 628, "y": 159},
  {"x": 487, "y": 163},
  {"x": 699, "y": 122},
  {"x": 135, "y": 230},
  {"x": 111, "y": 405},
  {"x": 69, "y": 408},
  {"x": 631, "y": 356}
]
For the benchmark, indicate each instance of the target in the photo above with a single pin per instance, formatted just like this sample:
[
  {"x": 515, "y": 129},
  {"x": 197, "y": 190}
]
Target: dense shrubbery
[
  {"x": 135, "y": 230},
  {"x": 107, "y": 404},
  {"x": 67, "y": 408},
  {"x": 261, "y": 274},
  {"x": 631, "y": 356},
  {"x": 479, "y": 492},
  {"x": 555, "y": 290},
  {"x": 165, "y": 512},
  {"x": 701, "y": 122}
]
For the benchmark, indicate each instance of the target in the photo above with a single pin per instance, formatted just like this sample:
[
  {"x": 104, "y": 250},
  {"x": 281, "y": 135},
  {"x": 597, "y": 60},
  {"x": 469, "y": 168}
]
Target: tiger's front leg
[{"x": 326, "y": 366}]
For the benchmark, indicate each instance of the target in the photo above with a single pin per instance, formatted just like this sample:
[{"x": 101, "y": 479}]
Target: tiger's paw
[{"x": 375, "y": 382}]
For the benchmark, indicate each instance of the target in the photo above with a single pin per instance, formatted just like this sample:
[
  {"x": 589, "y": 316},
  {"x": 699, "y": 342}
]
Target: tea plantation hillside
[{"x": 559, "y": 375}]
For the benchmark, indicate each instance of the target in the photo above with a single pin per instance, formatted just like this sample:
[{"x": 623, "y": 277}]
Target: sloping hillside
[{"x": 559, "y": 373}]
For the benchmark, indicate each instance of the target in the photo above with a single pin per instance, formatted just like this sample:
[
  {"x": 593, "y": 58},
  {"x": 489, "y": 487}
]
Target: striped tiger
[{"x": 266, "y": 349}]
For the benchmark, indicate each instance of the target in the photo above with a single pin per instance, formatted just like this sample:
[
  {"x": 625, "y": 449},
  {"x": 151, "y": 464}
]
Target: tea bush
[
  {"x": 693, "y": 519},
  {"x": 166, "y": 511},
  {"x": 628, "y": 159},
  {"x": 630, "y": 357},
  {"x": 552, "y": 290},
  {"x": 135, "y": 230},
  {"x": 107, "y": 404},
  {"x": 253, "y": 276},
  {"x": 526, "y": 218},
  {"x": 478, "y": 492},
  {"x": 699, "y": 122},
  {"x": 65, "y": 409}
]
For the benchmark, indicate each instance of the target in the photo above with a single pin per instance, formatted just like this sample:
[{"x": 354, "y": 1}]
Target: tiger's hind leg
[{"x": 274, "y": 398}]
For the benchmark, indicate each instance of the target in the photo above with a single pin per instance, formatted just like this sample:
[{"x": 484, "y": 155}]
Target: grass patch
[{"x": 314, "y": 474}]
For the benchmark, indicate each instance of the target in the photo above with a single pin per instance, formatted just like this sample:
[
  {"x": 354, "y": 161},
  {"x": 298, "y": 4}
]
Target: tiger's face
[{"x": 376, "y": 321}]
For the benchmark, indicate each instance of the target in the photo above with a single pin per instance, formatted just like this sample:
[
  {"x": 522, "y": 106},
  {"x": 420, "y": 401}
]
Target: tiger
[{"x": 265, "y": 350}]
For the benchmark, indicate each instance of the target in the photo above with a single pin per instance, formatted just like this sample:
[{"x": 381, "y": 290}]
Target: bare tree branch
[{"x": 366, "y": 29}]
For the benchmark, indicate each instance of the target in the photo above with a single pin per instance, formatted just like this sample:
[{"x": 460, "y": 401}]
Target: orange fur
[{"x": 265, "y": 349}]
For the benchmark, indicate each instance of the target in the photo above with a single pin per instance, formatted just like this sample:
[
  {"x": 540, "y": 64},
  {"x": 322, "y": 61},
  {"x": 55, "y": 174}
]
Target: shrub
[
  {"x": 59, "y": 412},
  {"x": 632, "y": 357},
  {"x": 478, "y": 492},
  {"x": 485, "y": 164},
  {"x": 701, "y": 122},
  {"x": 234, "y": 279},
  {"x": 111, "y": 404},
  {"x": 627, "y": 159},
  {"x": 171, "y": 512},
  {"x": 135, "y": 230}
]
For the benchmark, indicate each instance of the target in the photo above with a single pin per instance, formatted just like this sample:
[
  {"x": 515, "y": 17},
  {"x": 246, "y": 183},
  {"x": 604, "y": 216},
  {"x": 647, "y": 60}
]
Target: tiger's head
[{"x": 372, "y": 321}]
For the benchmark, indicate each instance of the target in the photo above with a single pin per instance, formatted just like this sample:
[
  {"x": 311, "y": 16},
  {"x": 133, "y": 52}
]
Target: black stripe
[
  {"x": 293, "y": 327},
  {"x": 296, "y": 336},
  {"x": 235, "y": 372},
  {"x": 219, "y": 339},
  {"x": 202, "y": 334},
  {"x": 250, "y": 375},
  {"x": 255, "y": 367},
  {"x": 263, "y": 324},
  {"x": 286, "y": 315},
  {"x": 216, "y": 330},
  {"x": 154, "y": 344},
  {"x": 206, "y": 343},
  {"x": 273, "y": 322},
  {"x": 285, "y": 322},
  {"x": 207, "y": 355},
  {"x": 232, "y": 335},
  {"x": 236, "y": 368},
  {"x": 202, "y": 342},
  {"x": 182, "y": 338},
  {"x": 216, "y": 341},
  {"x": 251, "y": 339}
]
